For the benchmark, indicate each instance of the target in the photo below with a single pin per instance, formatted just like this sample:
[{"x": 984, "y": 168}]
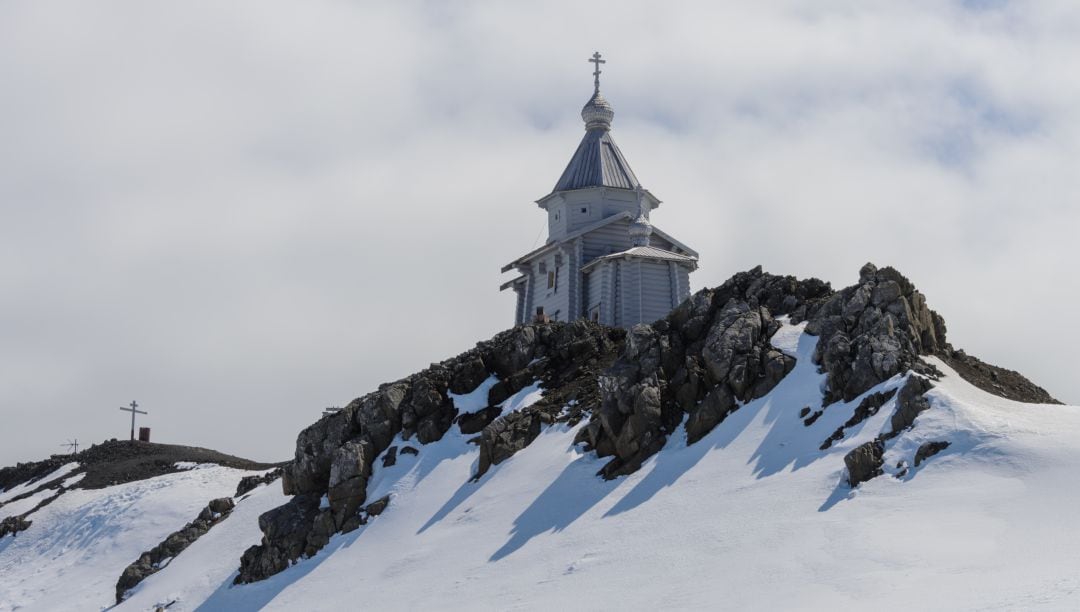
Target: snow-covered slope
[
  {"x": 77, "y": 546},
  {"x": 753, "y": 516}
]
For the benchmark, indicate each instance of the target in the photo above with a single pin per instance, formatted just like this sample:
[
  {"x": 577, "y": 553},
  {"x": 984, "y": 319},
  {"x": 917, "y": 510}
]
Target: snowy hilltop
[{"x": 771, "y": 444}]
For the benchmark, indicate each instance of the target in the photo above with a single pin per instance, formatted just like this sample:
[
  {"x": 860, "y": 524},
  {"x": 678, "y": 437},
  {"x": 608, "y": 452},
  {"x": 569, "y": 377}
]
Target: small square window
[{"x": 584, "y": 210}]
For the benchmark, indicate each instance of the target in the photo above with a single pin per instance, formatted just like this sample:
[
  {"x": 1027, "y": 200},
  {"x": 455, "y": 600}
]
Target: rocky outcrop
[
  {"x": 335, "y": 456},
  {"x": 710, "y": 356},
  {"x": 249, "y": 483},
  {"x": 153, "y": 560},
  {"x": 873, "y": 331},
  {"x": 865, "y": 461},
  {"x": 286, "y": 530}
]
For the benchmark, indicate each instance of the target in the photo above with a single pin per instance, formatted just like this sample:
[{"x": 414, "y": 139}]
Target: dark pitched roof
[{"x": 598, "y": 162}]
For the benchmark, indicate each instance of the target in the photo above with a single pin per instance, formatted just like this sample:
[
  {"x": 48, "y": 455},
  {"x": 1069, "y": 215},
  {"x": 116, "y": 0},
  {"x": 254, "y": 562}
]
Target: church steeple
[
  {"x": 597, "y": 112},
  {"x": 598, "y": 162}
]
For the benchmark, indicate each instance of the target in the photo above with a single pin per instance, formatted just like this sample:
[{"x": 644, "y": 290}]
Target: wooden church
[{"x": 603, "y": 258}]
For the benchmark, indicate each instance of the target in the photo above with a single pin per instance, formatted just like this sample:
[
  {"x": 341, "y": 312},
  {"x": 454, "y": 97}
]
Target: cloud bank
[{"x": 240, "y": 213}]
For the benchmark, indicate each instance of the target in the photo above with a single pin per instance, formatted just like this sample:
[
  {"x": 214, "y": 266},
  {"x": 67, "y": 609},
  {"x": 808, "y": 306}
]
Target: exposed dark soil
[
  {"x": 996, "y": 381},
  {"x": 119, "y": 461}
]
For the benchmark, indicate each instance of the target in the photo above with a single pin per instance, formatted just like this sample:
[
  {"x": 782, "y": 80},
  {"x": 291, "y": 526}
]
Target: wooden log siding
[
  {"x": 575, "y": 279},
  {"x": 554, "y": 301},
  {"x": 595, "y": 279},
  {"x": 655, "y": 290},
  {"x": 606, "y": 240}
]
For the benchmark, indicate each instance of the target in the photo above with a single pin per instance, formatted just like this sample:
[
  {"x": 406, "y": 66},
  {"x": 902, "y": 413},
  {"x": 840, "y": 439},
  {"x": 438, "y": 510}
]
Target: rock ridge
[{"x": 706, "y": 359}]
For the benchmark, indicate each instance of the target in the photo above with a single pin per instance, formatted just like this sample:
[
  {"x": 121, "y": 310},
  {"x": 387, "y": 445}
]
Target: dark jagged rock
[
  {"x": 153, "y": 560},
  {"x": 248, "y": 483},
  {"x": 506, "y": 436},
  {"x": 910, "y": 403},
  {"x": 929, "y": 449},
  {"x": 474, "y": 422},
  {"x": 872, "y": 331},
  {"x": 334, "y": 456},
  {"x": 13, "y": 525},
  {"x": 867, "y": 408},
  {"x": 376, "y": 507},
  {"x": 718, "y": 403},
  {"x": 710, "y": 355},
  {"x": 408, "y": 450},
  {"x": 390, "y": 457},
  {"x": 350, "y": 469},
  {"x": 285, "y": 538},
  {"x": 864, "y": 462}
]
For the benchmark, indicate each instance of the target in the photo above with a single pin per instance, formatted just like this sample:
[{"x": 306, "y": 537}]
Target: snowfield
[
  {"x": 753, "y": 516},
  {"x": 73, "y": 553}
]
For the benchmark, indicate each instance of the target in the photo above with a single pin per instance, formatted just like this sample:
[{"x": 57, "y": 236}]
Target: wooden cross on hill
[{"x": 133, "y": 409}]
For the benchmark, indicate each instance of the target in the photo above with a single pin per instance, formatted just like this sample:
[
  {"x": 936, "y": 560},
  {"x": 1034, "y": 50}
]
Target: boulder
[
  {"x": 929, "y": 449},
  {"x": 376, "y": 507},
  {"x": 390, "y": 457},
  {"x": 864, "y": 462}
]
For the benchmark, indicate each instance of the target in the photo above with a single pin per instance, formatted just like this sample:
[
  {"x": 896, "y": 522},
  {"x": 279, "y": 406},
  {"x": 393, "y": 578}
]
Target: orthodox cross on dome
[{"x": 596, "y": 73}]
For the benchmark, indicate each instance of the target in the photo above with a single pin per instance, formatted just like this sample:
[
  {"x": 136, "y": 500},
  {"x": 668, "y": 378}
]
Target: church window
[
  {"x": 595, "y": 315},
  {"x": 543, "y": 267},
  {"x": 551, "y": 279},
  {"x": 584, "y": 210}
]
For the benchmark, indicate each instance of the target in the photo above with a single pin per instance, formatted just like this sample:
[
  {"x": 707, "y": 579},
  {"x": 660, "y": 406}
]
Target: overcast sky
[{"x": 241, "y": 213}]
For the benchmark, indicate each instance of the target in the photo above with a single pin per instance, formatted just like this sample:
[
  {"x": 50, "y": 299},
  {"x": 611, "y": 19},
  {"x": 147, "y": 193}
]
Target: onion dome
[
  {"x": 597, "y": 113},
  {"x": 640, "y": 230}
]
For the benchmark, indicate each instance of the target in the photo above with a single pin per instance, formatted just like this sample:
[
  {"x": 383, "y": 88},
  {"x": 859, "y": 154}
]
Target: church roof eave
[
  {"x": 654, "y": 202},
  {"x": 552, "y": 245},
  {"x": 645, "y": 252},
  {"x": 512, "y": 282},
  {"x": 667, "y": 236}
]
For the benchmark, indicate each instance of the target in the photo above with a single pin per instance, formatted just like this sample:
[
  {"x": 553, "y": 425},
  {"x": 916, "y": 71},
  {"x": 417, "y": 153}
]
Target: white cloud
[{"x": 240, "y": 213}]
